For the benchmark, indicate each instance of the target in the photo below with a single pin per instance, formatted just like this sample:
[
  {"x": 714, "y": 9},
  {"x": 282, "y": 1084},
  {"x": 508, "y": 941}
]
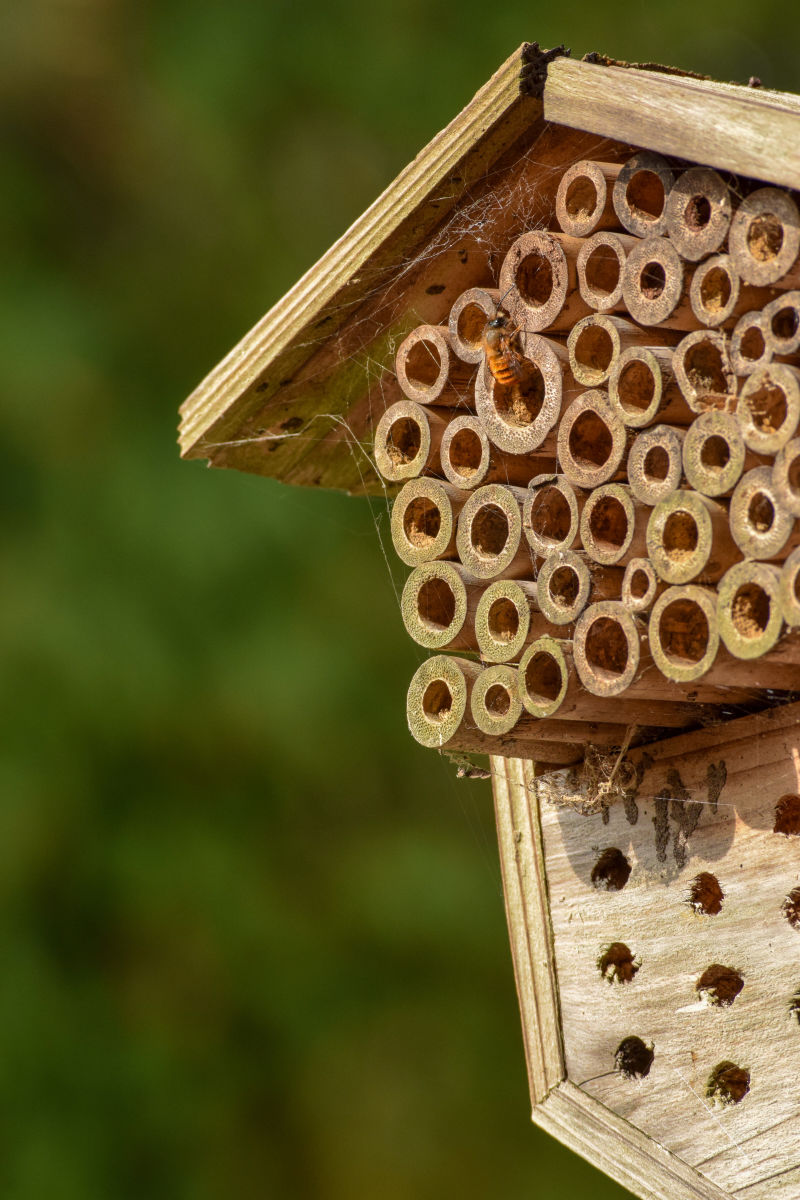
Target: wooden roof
[{"x": 297, "y": 398}]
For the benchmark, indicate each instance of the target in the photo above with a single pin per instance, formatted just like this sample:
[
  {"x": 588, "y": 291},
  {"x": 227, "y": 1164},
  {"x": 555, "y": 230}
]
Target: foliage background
[{"x": 253, "y": 937}]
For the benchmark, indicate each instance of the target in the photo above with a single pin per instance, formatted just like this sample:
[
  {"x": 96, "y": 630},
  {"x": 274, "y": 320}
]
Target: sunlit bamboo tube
[
  {"x": 568, "y": 580},
  {"x": 596, "y": 342},
  {"x": 538, "y": 279},
  {"x": 424, "y": 520},
  {"x": 768, "y": 410},
  {"x": 438, "y": 606},
  {"x": 698, "y": 212},
  {"x": 789, "y": 589},
  {"x": 507, "y": 617},
  {"x": 584, "y": 200},
  {"x": 640, "y": 586},
  {"x": 469, "y": 459},
  {"x": 407, "y": 441},
  {"x": 489, "y": 535},
  {"x": 654, "y": 463},
  {"x": 548, "y": 684},
  {"x": 640, "y": 194},
  {"x": 703, "y": 370},
  {"x": 655, "y": 286},
  {"x": 760, "y": 525},
  {"x": 609, "y": 646},
  {"x": 750, "y": 346},
  {"x": 749, "y": 609},
  {"x": 551, "y": 514},
  {"x": 642, "y": 388},
  {"x": 786, "y": 477},
  {"x": 600, "y": 266},
  {"x": 714, "y": 453},
  {"x": 684, "y": 632},
  {"x": 688, "y": 536},
  {"x": 717, "y": 295},
  {"x": 613, "y": 525},
  {"x": 592, "y": 441},
  {"x": 469, "y": 317},
  {"x": 764, "y": 238},
  {"x": 439, "y": 715},
  {"x": 782, "y": 321},
  {"x": 519, "y": 417},
  {"x": 429, "y": 371}
]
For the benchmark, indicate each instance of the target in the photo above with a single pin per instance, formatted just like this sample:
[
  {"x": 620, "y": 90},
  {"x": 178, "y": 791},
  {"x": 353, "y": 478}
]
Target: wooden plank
[
  {"x": 745, "y": 130},
  {"x": 614, "y": 1146},
  {"x": 525, "y": 890}
]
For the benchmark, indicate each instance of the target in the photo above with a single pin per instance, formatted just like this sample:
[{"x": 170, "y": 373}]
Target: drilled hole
[
  {"x": 787, "y": 816},
  {"x": 489, "y": 531},
  {"x": 683, "y": 632},
  {"x": 765, "y": 237},
  {"x": 750, "y": 610},
  {"x": 645, "y": 195},
  {"x": 652, "y": 280},
  {"x": 437, "y": 703},
  {"x": 715, "y": 290},
  {"x": 697, "y": 213},
  {"x": 564, "y": 586},
  {"x": 705, "y": 894},
  {"x": 520, "y": 403},
  {"x": 422, "y": 522},
  {"x": 715, "y": 453},
  {"x": 752, "y": 345},
  {"x": 785, "y": 323},
  {"x": 606, "y": 648},
  {"x": 703, "y": 366},
  {"x": 680, "y": 536},
  {"x": 636, "y": 386},
  {"x": 727, "y": 1083},
  {"x": 498, "y": 700},
  {"x": 791, "y": 908},
  {"x": 761, "y": 512},
  {"x": 472, "y": 322},
  {"x": 594, "y": 351},
  {"x": 611, "y": 871},
  {"x": 617, "y": 964},
  {"x": 423, "y": 364},
  {"x": 534, "y": 279},
  {"x": 602, "y": 271},
  {"x": 436, "y": 604},
  {"x": 551, "y": 516},
  {"x": 543, "y": 677},
  {"x": 581, "y": 198},
  {"x": 608, "y": 524},
  {"x": 503, "y": 620},
  {"x": 655, "y": 465},
  {"x": 767, "y": 407},
  {"x": 404, "y": 441},
  {"x": 590, "y": 440},
  {"x": 465, "y": 453},
  {"x": 719, "y": 985},
  {"x": 633, "y": 1059}
]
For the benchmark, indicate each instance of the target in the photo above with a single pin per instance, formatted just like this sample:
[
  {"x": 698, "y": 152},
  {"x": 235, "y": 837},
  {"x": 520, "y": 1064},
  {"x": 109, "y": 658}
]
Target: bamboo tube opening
[
  {"x": 652, "y": 283},
  {"x": 713, "y": 453},
  {"x": 434, "y": 606},
  {"x": 490, "y": 531},
  {"x": 654, "y": 464},
  {"x": 698, "y": 212},
  {"x": 750, "y": 346},
  {"x": 782, "y": 317},
  {"x": 769, "y": 408},
  {"x": 403, "y": 441},
  {"x": 703, "y": 370},
  {"x": 496, "y": 705},
  {"x": 563, "y": 587},
  {"x": 583, "y": 199},
  {"x": 503, "y": 619},
  {"x": 422, "y": 521},
  {"x": 786, "y": 477},
  {"x": 606, "y": 648},
  {"x": 550, "y": 515},
  {"x": 543, "y": 677},
  {"x": 760, "y": 525},
  {"x": 466, "y": 453},
  {"x": 437, "y": 700},
  {"x": 652, "y": 279},
  {"x": 469, "y": 317},
  {"x": 686, "y": 535},
  {"x": 641, "y": 388},
  {"x": 749, "y": 609},
  {"x": 636, "y": 387},
  {"x": 765, "y": 235},
  {"x": 640, "y": 194},
  {"x": 599, "y": 266},
  {"x": 521, "y": 403},
  {"x": 423, "y": 364},
  {"x": 683, "y": 633},
  {"x": 498, "y": 700},
  {"x": 639, "y": 585},
  {"x": 789, "y": 589},
  {"x": 714, "y": 290},
  {"x": 608, "y": 523},
  {"x": 406, "y": 440},
  {"x": 593, "y": 344},
  {"x": 591, "y": 440},
  {"x": 536, "y": 275}
]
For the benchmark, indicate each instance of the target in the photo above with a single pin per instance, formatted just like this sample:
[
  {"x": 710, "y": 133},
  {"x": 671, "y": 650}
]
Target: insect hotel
[{"x": 565, "y": 346}]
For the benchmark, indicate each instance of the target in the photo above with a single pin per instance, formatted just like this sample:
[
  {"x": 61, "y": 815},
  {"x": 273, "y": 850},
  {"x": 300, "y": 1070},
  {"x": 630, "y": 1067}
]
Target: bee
[{"x": 503, "y": 354}]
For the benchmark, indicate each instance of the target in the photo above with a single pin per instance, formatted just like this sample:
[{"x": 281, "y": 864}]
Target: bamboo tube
[
  {"x": 749, "y": 609},
  {"x": 608, "y": 647},
  {"x": 592, "y": 441},
  {"x": 584, "y": 200},
  {"x": 538, "y": 278},
  {"x": 595, "y": 343},
  {"x": 789, "y": 589},
  {"x": 407, "y": 441},
  {"x": 518, "y": 417},
  {"x": 548, "y": 684},
  {"x": 718, "y": 296},
  {"x": 768, "y": 411},
  {"x": 764, "y": 238},
  {"x": 703, "y": 370},
  {"x": 551, "y": 514},
  {"x": 613, "y": 525},
  {"x": 438, "y": 606},
  {"x": 489, "y": 535},
  {"x": 640, "y": 194},
  {"x": 714, "y": 453},
  {"x": 469, "y": 317},
  {"x": 507, "y": 618},
  {"x": 684, "y": 633},
  {"x": 786, "y": 477},
  {"x": 782, "y": 319},
  {"x": 428, "y": 370},
  {"x": 600, "y": 266},
  {"x": 698, "y": 213},
  {"x": 642, "y": 388},
  {"x": 568, "y": 580},
  {"x": 655, "y": 464},
  {"x": 761, "y": 526},
  {"x": 469, "y": 459},
  {"x": 424, "y": 520},
  {"x": 688, "y": 536},
  {"x": 655, "y": 287},
  {"x": 750, "y": 346},
  {"x": 640, "y": 586},
  {"x": 438, "y": 712}
]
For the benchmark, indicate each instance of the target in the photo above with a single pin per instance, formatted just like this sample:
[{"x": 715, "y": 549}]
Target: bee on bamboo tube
[{"x": 502, "y": 349}]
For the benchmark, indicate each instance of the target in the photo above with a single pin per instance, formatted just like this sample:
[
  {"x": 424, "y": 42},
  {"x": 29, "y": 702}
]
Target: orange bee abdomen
[{"x": 505, "y": 368}]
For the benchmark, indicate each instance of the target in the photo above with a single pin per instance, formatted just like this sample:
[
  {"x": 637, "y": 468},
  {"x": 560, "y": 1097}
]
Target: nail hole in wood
[
  {"x": 706, "y": 895},
  {"x": 727, "y": 1083},
  {"x": 633, "y": 1058},
  {"x": 617, "y": 963},
  {"x": 787, "y": 816},
  {"x": 719, "y": 985},
  {"x": 611, "y": 871}
]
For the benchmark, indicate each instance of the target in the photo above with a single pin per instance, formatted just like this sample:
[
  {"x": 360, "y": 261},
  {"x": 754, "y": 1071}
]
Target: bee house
[{"x": 565, "y": 346}]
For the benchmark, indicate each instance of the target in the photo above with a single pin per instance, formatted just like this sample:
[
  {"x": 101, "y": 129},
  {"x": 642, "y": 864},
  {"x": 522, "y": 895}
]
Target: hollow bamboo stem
[
  {"x": 470, "y": 460},
  {"x": 609, "y": 648},
  {"x": 438, "y": 606},
  {"x": 423, "y": 520},
  {"x": 592, "y": 441},
  {"x": 614, "y": 525},
  {"x": 469, "y": 317},
  {"x": 539, "y": 280},
  {"x": 489, "y": 535},
  {"x": 551, "y": 514},
  {"x": 703, "y": 370},
  {"x": 655, "y": 286},
  {"x": 640, "y": 586},
  {"x": 519, "y": 417},
  {"x": 768, "y": 410},
  {"x": 584, "y": 200},
  {"x": 786, "y": 477},
  {"x": 655, "y": 463},
  {"x": 507, "y": 618},
  {"x": 761, "y": 527},
  {"x": 717, "y": 295},
  {"x": 688, "y": 537},
  {"x": 764, "y": 239},
  {"x": 596, "y": 342},
  {"x": 600, "y": 267},
  {"x": 749, "y": 609},
  {"x": 640, "y": 194},
  {"x": 714, "y": 454},
  {"x": 407, "y": 441},
  {"x": 750, "y": 345},
  {"x": 429, "y": 371},
  {"x": 568, "y": 580},
  {"x": 642, "y": 388}
]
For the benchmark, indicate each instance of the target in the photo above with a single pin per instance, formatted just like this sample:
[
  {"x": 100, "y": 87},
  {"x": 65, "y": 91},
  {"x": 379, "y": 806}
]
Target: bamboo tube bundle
[
  {"x": 407, "y": 441},
  {"x": 600, "y": 267},
  {"x": 429, "y": 371}
]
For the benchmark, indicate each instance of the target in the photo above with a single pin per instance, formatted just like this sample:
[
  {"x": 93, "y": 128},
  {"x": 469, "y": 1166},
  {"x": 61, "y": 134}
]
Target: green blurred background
[{"x": 253, "y": 939}]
